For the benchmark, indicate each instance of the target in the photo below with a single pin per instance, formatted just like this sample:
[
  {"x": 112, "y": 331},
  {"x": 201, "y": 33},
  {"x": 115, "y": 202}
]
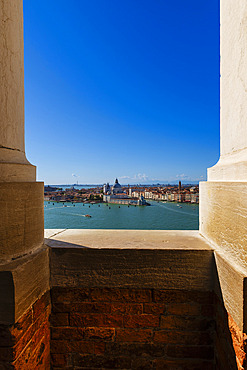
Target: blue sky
[{"x": 126, "y": 89}]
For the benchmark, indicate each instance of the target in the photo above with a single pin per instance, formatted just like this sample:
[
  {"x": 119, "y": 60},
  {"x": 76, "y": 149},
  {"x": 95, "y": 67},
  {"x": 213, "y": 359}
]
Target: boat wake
[{"x": 177, "y": 211}]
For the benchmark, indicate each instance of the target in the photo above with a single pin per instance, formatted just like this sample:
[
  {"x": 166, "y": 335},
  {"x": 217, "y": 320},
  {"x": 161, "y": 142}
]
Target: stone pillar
[
  {"x": 21, "y": 198},
  {"x": 232, "y": 165},
  {"x": 223, "y": 198},
  {"x": 14, "y": 167},
  {"x": 23, "y": 258}
]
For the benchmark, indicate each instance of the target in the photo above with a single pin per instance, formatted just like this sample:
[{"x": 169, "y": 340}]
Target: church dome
[{"x": 116, "y": 185}]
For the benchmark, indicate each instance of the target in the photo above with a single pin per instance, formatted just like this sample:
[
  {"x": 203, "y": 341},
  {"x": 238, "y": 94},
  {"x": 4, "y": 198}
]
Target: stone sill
[
  {"x": 126, "y": 239},
  {"x": 158, "y": 259}
]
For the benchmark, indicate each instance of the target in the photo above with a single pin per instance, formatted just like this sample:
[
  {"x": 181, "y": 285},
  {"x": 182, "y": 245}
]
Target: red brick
[
  {"x": 60, "y": 319},
  {"x": 183, "y": 296},
  {"x": 154, "y": 308},
  {"x": 30, "y": 333},
  {"x": 101, "y": 362},
  {"x": 82, "y": 320},
  {"x": 184, "y": 309},
  {"x": 127, "y": 308},
  {"x": 133, "y": 335},
  {"x": 82, "y": 307},
  {"x": 34, "y": 351},
  {"x": 23, "y": 324},
  {"x": 136, "y": 349},
  {"x": 186, "y": 323},
  {"x": 141, "y": 364},
  {"x": 90, "y": 307},
  {"x": 138, "y": 321},
  {"x": 68, "y": 346},
  {"x": 183, "y": 337},
  {"x": 99, "y": 334},
  {"x": 234, "y": 330},
  {"x": 185, "y": 364},
  {"x": 61, "y": 307},
  {"x": 69, "y": 295},
  {"x": 114, "y": 321},
  {"x": 203, "y": 352},
  {"x": 239, "y": 351},
  {"x": 121, "y": 295},
  {"x": 65, "y": 333},
  {"x": 40, "y": 305},
  {"x": 58, "y": 360},
  {"x": 99, "y": 348}
]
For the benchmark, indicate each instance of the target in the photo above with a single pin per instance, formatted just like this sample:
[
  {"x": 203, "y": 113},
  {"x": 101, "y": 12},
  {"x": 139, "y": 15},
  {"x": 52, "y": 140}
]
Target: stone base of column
[
  {"x": 21, "y": 219},
  {"x": 24, "y": 312},
  {"x": 227, "y": 170},
  {"x": 223, "y": 215},
  {"x": 17, "y": 172}
]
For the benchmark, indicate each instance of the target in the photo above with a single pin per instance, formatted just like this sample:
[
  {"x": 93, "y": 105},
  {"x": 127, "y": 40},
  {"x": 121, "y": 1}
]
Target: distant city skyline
[{"x": 121, "y": 89}]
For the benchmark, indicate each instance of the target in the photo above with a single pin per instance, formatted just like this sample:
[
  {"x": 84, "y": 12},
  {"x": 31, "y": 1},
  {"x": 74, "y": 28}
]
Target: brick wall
[
  {"x": 26, "y": 344},
  {"x": 102, "y": 328},
  {"x": 230, "y": 341}
]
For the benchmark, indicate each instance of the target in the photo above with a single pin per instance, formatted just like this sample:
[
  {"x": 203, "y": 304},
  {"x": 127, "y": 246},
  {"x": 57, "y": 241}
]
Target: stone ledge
[
  {"x": 130, "y": 258},
  {"x": 126, "y": 239},
  {"x": 144, "y": 259}
]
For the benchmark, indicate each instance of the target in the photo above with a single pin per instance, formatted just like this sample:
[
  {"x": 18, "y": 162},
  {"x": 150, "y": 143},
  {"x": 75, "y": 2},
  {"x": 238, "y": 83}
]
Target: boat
[{"x": 88, "y": 216}]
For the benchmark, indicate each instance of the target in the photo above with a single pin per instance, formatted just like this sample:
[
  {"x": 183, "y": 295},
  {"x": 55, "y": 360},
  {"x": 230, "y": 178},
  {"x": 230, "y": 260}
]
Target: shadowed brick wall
[
  {"x": 116, "y": 328},
  {"x": 26, "y": 344},
  {"x": 230, "y": 341}
]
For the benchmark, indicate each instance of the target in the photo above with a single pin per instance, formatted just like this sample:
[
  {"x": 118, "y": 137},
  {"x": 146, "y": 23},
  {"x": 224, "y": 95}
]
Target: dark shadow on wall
[
  {"x": 227, "y": 344},
  {"x": 7, "y": 317},
  {"x": 75, "y": 259}
]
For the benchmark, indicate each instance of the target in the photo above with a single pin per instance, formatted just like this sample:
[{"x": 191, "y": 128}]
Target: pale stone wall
[
  {"x": 223, "y": 206},
  {"x": 24, "y": 265},
  {"x": 232, "y": 165},
  {"x": 13, "y": 163}
]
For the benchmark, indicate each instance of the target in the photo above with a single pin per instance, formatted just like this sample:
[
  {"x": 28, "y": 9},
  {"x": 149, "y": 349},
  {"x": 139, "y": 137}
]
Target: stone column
[
  {"x": 232, "y": 165},
  {"x": 23, "y": 257},
  {"x": 223, "y": 198},
  {"x": 14, "y": 166}
]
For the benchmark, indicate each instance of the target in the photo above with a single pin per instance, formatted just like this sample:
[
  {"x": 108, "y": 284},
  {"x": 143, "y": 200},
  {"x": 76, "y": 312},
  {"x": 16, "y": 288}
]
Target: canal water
[{"x": 158, "y": 216}]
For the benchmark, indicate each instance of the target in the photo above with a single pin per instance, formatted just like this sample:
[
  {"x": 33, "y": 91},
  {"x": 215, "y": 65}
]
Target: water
[{"x": 159, "y": 216}]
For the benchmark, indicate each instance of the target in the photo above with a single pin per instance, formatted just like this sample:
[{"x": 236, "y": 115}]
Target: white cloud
[
  {"x": 141, "y": 177},
  {"x": 183, "y": 177},
  {"x": 137, "y": 177},
  {"x": 124, "y": 177}
]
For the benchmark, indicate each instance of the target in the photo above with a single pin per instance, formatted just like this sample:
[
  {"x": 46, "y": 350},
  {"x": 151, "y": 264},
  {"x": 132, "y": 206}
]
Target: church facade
[{"x": 115, "y": 194}]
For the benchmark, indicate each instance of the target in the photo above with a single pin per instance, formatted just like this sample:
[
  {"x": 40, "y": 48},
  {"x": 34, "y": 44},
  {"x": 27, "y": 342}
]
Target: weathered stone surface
[
  {"x": 22, "y": 282},
  {"x": 126, "y": 239},
  {"x": 137, "y": 268},
  {"x": 232, "y": 165},
  {"x": 13, "y": 163},
  {"x": 223, "y": 211},
  {"x": 21, "y": 219}
]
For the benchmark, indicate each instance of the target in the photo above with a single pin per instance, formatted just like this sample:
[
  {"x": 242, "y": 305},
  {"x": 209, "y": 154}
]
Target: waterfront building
[
  {"x": 106, "y": 188},
  {"x": 118, "y": 196}
]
